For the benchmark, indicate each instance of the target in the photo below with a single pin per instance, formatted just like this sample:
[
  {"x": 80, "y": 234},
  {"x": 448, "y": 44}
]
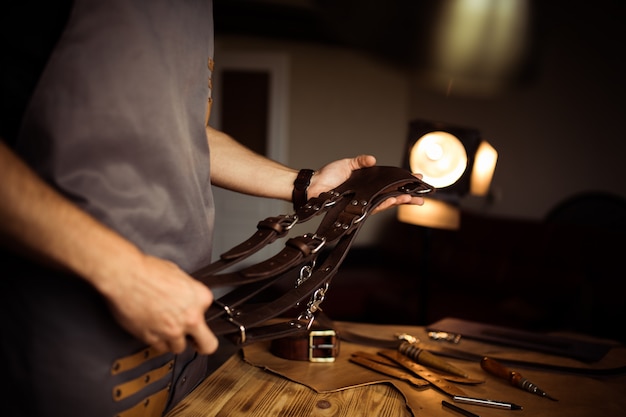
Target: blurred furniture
[{"x": 564, "y": 273}]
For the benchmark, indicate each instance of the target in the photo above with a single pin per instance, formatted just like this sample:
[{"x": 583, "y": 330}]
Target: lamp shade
[
  {"x": 443, "y": 154},
  {"x": 453, "y": 159},
  {"x": 483, "y": 170},
  {"x": 440, "y": 157}
]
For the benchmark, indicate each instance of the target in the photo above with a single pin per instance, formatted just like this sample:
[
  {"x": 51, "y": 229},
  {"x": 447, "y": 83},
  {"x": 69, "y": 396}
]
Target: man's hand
[
  {"x": 162, "y": 306},
  {"x": 337, "y": 172},
  {"x": 151, "y": 298}
]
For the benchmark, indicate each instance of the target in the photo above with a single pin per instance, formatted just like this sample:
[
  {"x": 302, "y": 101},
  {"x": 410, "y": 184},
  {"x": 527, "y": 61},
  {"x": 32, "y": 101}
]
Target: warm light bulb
[
  {"x": 434, "y": 151},
  {"x": 440, "y": 157}
]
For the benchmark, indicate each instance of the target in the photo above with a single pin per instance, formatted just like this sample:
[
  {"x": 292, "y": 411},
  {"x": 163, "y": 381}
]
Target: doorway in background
[{"x": 250, "y": 103}]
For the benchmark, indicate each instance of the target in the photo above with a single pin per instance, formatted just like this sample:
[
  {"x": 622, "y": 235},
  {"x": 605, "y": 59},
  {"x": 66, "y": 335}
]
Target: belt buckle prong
[{"x": 327, "y": 349}]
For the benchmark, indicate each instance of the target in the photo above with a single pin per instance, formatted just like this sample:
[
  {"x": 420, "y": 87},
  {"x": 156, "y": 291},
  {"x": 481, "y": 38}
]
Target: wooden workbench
[{"x": 255, "y": 383}]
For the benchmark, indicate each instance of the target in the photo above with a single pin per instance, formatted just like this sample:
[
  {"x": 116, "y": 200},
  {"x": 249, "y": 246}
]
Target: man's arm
[
  {"x": 151, "y": 298},
  {"x": 237, "y": 168}
]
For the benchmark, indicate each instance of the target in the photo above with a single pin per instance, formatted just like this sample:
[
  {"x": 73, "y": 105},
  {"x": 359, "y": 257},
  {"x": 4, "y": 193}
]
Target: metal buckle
[{"x": 324, "y": 350}]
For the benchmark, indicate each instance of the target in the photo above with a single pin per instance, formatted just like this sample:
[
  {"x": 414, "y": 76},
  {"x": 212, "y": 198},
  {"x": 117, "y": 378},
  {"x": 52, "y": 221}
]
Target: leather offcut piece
[
  {"x": 593, "y": 394},
  {"x": 332, "y": 376}
]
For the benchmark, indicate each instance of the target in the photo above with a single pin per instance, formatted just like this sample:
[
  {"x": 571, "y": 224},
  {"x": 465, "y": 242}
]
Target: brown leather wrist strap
[
  {"x": 315, "y": 345},
  {"x": 300, "y": 186}
]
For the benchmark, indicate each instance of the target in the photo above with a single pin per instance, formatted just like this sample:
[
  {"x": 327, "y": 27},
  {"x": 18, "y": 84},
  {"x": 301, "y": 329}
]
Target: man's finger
[
  {"x": 160, "y": 346},
  {"x": 364, "y": 161},
  {"x": 204, "y": 340},
  {"x": 177, "y": 345}
]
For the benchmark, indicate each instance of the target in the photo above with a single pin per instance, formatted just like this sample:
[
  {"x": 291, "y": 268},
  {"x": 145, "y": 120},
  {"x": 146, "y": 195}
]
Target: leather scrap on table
[
  {"x": 587, "y": 395},
  {"x": 338, "y": 375}
]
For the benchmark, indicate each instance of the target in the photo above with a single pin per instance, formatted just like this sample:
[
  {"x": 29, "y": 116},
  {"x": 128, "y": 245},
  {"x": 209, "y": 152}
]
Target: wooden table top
[
  {"x": 240, "y": 389},
  {"x": 252, "y": 383}
]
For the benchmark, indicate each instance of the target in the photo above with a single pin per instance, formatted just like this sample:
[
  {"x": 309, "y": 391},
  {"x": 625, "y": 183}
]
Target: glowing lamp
[{"x": 453, "y": 159}]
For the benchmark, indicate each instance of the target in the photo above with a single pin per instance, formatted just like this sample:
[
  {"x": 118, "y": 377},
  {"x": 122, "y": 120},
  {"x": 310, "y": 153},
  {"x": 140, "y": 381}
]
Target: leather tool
[
  {"x": 556, "y": 345},
  {"x": 515, "y": 378},
  {"x": 424, "y": 357},
  {"x": 455, "y": 353}
]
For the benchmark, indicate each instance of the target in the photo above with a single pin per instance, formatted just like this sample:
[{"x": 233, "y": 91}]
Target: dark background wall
[
  {"x": 357, "y": 79},
  {"x": 557, "y": 122}
]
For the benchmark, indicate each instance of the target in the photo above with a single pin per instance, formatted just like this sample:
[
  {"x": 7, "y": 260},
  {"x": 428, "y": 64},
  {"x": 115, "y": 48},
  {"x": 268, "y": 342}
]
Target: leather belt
[{"x": 317, "y": 345}]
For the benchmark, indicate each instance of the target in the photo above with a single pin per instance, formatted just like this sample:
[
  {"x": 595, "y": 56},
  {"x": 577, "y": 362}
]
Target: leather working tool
[
  {"x": 515, "y": 378},
  {"x": 424, "y": 357},
  {"x": 582, "y": 350},
  {"x": 455, "y": 353}
]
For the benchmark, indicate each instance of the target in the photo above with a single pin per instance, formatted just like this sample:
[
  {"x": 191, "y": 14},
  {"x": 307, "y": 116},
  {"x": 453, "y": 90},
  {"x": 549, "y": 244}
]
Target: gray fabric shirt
[{"x": 116, "y": 122}]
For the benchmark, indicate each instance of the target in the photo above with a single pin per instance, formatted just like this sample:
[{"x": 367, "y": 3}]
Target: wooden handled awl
[
  {"x": 515, "y": 378},
  {"x": 424, "y": 357}
]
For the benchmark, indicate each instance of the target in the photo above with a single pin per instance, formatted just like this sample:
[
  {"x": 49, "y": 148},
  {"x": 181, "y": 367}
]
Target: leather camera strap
[{"x": 344, "y": 212}]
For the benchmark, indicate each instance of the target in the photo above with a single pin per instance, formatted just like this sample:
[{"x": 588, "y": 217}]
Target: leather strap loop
[
  {"x": 268, "y": 231},
  {"x": 285, "y": 259}
]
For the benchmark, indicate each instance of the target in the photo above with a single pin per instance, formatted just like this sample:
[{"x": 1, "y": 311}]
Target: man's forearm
[
  {"x": 237, "y": 168},
  {"x": 42, "y": 223}
]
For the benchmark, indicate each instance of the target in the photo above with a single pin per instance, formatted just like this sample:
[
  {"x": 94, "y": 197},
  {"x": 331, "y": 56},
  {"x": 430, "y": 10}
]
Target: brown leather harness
[
  {"x": 344, "y": 211},
  {"x": 307, "y": 263}
]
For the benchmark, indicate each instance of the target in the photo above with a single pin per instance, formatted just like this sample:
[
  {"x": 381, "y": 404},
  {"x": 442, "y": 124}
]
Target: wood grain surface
[{"x": 240, "y": 389}]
